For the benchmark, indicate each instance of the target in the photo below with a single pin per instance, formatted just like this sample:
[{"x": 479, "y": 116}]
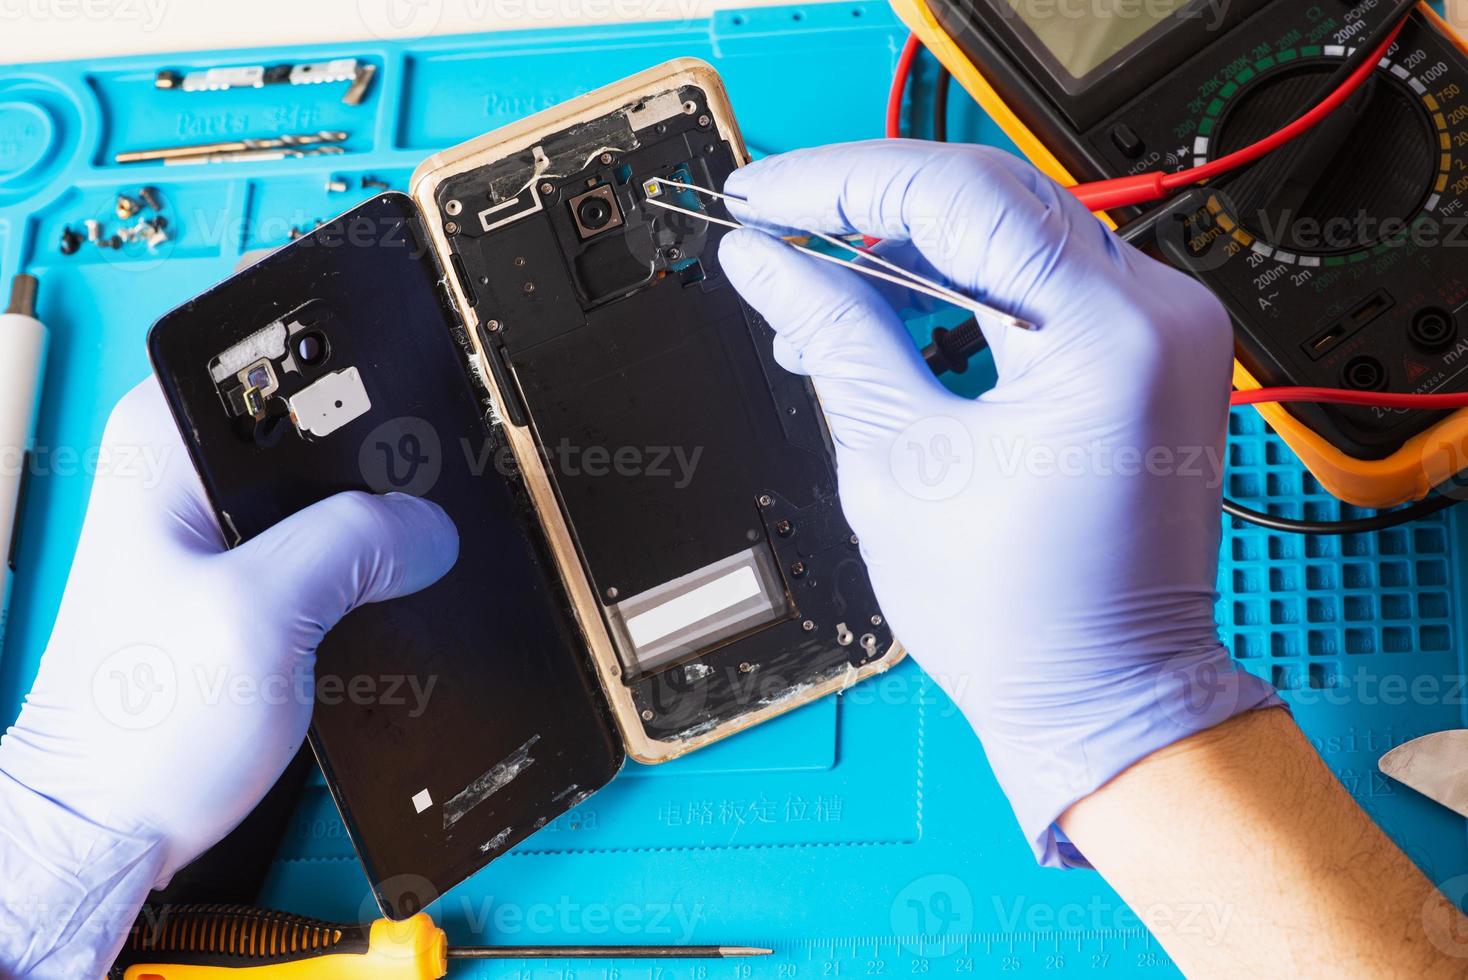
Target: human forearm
[{"x": 1247, "y": 857}]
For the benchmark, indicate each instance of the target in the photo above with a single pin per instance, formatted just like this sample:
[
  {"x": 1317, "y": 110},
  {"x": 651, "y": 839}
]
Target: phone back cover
[{"x": 473, "y": 719}]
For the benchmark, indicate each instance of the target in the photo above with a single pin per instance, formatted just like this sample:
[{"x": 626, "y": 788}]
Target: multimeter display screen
[{"x": 1083, "y": 36}]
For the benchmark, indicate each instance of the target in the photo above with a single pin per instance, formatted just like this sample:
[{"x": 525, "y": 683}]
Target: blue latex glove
[
  {"x": 175, "y": 688},
  {"x": 1048, "y": 552}
]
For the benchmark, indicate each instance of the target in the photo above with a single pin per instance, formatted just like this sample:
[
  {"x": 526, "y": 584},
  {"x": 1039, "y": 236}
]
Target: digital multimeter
[{"x": 1343, "y": 258}]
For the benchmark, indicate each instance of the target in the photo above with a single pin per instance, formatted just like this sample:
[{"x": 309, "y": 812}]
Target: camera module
[{"x": 596, "y": 211}]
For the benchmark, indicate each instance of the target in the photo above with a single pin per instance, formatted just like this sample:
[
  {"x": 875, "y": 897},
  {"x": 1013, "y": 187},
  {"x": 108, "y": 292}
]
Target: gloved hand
[
  {"x": 176, "y": 686},
  {"x": 1047, "y": 552}
]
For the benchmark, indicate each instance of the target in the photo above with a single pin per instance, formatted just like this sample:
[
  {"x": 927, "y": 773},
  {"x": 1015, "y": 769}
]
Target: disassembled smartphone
[{"x": 653, "y": 555}]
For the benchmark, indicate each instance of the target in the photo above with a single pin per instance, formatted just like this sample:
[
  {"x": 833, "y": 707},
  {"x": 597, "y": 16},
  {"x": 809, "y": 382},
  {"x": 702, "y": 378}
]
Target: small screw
[
  {"x": 94, "y": 230},
  {"x": 547, "y": 187},
  {"x": 70, "y": 242},
  {"x": 746, "y": 668},
  {"x": 855, "y": 541},
  {"x": 647, "y": 714},
  {"x": 606, "y": 158},
  {"x": 519, "y": 261},
  {"x": 797, "y": 570},
  {"x": 704, "y": 120},
  {"x": 493, "y": 325},
  {"x": 451, "y": 227},
  {"x": 674, "y": 253},
  {"x": 452, "y": 208},
  {"x": 126, "y": 206},
  {"x": 612, "y": 592},
  {"x": 114, "y": 242},
  {"x": 150, "y": 198},
  {"x": 529, "y": 288},
  {"x": 765, "y": 500},
  {"x": 336, "y": 186},
  {"x": 876, "y": 620},
  {"x": 809, "y": 626},
  {"x": 373, "y": 182},
  {"x": 783, "y": 528}
]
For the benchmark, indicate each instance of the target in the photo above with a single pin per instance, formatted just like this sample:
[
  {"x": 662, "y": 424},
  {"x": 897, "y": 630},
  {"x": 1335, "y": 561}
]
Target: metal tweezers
[{"x": 895, "y": 274}]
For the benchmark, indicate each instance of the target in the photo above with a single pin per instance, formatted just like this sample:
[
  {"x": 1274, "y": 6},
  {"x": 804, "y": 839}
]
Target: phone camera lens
[
  {"x": 311, "y": 349},
  {"x": 594, "y": 213}
]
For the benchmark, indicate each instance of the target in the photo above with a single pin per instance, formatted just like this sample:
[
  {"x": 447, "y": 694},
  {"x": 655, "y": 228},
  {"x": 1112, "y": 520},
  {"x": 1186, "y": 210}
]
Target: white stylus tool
[{"x": 22, "y": 365}]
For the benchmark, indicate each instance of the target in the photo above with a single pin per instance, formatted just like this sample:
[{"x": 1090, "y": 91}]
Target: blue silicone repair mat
[{"x": 861, "y": 836}]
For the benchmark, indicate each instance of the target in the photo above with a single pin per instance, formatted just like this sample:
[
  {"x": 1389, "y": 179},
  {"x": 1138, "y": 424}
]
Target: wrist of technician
[
  {"x": 70, "y": 889},
  {"x": 1092, "y": 732}
]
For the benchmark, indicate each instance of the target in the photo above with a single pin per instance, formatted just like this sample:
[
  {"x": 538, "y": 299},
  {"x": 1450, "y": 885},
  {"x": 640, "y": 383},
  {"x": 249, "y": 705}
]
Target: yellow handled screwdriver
[{"x": 230, "y": 942}]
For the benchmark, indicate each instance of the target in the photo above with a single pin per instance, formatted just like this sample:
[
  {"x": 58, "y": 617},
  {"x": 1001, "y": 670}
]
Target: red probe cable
[
  {"x": 899, "y": 85},
  {"x": 1106, "y": 195},
  {"x": 1138, "y": 189},
  {"x": 1342, "y": 396}
]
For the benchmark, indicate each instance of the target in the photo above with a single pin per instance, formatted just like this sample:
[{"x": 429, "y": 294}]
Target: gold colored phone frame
[{"x": 519, "y": 137}]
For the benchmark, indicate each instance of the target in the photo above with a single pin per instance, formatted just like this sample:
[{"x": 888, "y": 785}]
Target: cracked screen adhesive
[{"x": 449, "y": 723}]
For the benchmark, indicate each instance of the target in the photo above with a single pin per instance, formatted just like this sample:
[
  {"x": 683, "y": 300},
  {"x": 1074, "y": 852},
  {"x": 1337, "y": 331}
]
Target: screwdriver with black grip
[{"x": 231, "y": 942}]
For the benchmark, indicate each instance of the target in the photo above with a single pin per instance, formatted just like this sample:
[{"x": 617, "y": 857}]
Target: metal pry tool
[
  {"x": 1434, "y": 765},
  {"x": 894, "y": 273}
]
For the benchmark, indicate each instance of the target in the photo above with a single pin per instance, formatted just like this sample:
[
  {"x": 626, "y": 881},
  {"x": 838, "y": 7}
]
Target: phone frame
[{"x": 490, "y": 148}]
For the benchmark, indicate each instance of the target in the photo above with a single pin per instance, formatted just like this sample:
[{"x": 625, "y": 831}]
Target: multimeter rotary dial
[{"x": 1362, "y": 180}]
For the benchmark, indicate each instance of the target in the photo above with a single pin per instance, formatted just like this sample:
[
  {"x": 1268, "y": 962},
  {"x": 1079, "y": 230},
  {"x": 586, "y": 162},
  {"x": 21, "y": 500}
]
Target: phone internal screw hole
[
  {"x": 453, "y": 208},
  {"x": 1364, "y": 373},
  {"x": 1432, "y": 329},
  {"x": 844, "y": 636},
  {"x": 869, "y": 642}
]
